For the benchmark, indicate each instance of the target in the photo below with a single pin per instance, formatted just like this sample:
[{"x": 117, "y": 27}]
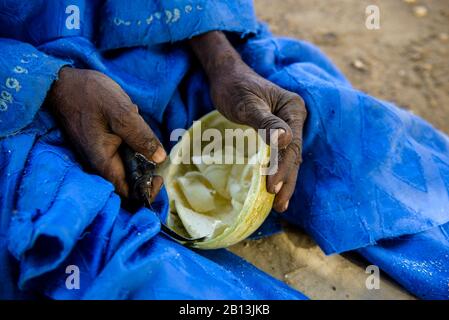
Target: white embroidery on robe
[{"x": 13, "y": 83}]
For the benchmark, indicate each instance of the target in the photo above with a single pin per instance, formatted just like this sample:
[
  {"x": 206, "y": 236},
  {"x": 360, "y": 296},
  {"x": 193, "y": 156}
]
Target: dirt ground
[{"x": 406, "y": 62}]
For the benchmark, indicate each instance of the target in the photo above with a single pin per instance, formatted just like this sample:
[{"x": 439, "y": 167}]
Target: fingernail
[
  {"x": 160, "y": 155},
  {"x": 286, "y": 205},
  {"x": 278, "y": 187},
  {"x": 282, "y": 137},
  {"x": 277, "y": 134}
]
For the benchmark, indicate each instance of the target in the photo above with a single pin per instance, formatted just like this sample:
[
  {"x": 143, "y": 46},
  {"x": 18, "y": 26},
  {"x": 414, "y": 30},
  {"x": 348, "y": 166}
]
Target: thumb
[{"x": 138, "y": 135}]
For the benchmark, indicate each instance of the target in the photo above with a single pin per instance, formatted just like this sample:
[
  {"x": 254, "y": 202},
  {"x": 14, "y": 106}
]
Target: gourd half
[{"x": 209, "y": 199}]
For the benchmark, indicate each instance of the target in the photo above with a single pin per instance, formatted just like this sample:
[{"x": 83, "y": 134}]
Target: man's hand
[
  {"x": 98, "y": 116},
  {"x": 244, "y": 97}
]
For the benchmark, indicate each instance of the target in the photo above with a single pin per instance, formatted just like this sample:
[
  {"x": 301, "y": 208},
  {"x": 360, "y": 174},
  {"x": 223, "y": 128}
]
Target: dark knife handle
[{"x": 139, "y": 173}]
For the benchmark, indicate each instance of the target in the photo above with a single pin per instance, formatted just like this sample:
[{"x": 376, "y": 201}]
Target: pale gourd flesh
[{"x": 208, "y": 196}]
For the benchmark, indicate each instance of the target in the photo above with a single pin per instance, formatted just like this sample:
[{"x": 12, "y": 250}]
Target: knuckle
[
  {"x": 295, "y": 149},
  {"x": 293, "y": 97},
  {"x": 93, "y": 76},
  {"x": 268, "y": 122},
  {"x": 122, "y": 122},
  {"x": 292, "y": 108},
  {"x": 279, "y": 206},
  {"x": 100, "y": 163},
  {"x": 303, "y": 111},
  {"x": 240, "y": 111},
  {"x": 152, "y": 143},
  {"x": 149, "y": 145},
  {"x": 124, "y": 118},
  {"x": 127, "y": 108},
  {"x": 134, "y": 108},
  {"x": 298, "y": 99},
  {"x": 298, "y": 104},
  {"x": 143, "y": 141}
]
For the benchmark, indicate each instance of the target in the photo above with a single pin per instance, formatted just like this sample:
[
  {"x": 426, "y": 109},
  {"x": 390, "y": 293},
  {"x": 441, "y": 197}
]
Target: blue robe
[{"x": 375, "y": 178}]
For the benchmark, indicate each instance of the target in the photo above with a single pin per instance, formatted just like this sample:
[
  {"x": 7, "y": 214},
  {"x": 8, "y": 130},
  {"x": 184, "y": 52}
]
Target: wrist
[
  {"x": 54, "y": 94},
  {"x": 215, "y": 53}
]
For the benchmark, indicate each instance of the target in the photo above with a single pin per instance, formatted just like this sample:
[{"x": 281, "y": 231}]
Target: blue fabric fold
[
  {"x": 66, "y": 217},
  {"x": 50, "y": 219},
  {"x": 370, "y": 170},
  {"x": 419, "y": 262},
  {"x": 54, "y": 215},
  {"x": 40, "y": 21}
]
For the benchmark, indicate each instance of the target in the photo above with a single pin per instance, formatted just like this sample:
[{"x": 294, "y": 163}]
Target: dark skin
[
  {"x": 243, "y": 96},
  {"x": 98, "y": 116}
]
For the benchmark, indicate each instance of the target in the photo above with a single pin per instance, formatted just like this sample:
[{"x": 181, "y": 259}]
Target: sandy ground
[{"x": 406, "y": 62}]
